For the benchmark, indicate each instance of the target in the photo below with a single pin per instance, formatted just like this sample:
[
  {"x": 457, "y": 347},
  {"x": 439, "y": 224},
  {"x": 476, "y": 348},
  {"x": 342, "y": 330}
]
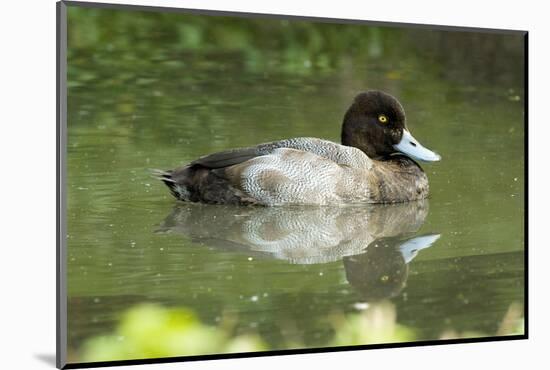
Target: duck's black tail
[
  {"x": 195, "y": 183},
  {"x": 168, "y": 180}
]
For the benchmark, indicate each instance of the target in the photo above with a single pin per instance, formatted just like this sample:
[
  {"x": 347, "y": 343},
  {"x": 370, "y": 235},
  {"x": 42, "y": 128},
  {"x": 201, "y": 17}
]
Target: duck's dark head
[{"x": 376, "y": 124}]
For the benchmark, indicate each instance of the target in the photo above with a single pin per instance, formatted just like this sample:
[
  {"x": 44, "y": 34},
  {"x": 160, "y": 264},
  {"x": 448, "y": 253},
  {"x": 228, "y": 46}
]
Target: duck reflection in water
[{"x": 375, "y": 242}]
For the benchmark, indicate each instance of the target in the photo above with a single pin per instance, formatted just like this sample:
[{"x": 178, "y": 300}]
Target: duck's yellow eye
[{"x": 382, "y": 119}]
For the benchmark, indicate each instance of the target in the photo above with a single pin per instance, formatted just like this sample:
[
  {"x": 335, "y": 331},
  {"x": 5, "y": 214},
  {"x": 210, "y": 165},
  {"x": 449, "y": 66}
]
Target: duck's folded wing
[
  {"x": 226, "y": 158},
  {"x": 341, "y": 154}
]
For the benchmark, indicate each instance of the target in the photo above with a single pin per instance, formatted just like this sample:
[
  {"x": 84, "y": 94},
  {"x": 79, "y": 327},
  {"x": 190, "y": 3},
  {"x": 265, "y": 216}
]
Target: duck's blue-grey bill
[{"x": 412, "y": 148}]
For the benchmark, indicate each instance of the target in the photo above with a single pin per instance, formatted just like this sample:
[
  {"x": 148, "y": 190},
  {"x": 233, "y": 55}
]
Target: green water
[{"x": 155, "y": 91}]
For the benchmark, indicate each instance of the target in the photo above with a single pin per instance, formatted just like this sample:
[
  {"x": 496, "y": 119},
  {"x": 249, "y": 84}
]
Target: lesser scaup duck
[{"x": 374, "y": 164}]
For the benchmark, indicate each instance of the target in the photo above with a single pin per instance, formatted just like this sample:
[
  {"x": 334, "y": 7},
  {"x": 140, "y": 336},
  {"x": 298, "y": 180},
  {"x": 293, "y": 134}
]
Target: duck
[{"x": 376, "y": 162}]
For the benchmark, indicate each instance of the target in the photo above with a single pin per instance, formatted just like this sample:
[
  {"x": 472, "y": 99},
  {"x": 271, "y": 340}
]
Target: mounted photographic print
[{"x": 236, "y": 184}]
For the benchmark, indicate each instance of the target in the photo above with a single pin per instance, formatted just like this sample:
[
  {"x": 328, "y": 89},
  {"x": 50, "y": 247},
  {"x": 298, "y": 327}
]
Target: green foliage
[
  {"x": 300, "y": 45},
  {"x": 149, "y": 331},
  {"x": 378, "y": 324}
]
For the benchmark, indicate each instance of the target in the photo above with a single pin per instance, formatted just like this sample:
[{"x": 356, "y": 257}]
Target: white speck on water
[
  {"x": 321, "y": 274},
  {"x": 147, "y": 184},
  {"x": 111, "y": 225},
  {"x": 265, "y": 294},
  {"x": 361, "y": 306},
  {"x": 82, "y": 188},
  {"x": 250, "y": 258},
  {"x": 132, "y": 244},
  {"x": 254, "y": 298},
  {"x": 110, "y": 264},
  {"x": 97, "y": 300},
  {"x": 515, "y": 179},
  {"x": 161, "y": 249}
]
